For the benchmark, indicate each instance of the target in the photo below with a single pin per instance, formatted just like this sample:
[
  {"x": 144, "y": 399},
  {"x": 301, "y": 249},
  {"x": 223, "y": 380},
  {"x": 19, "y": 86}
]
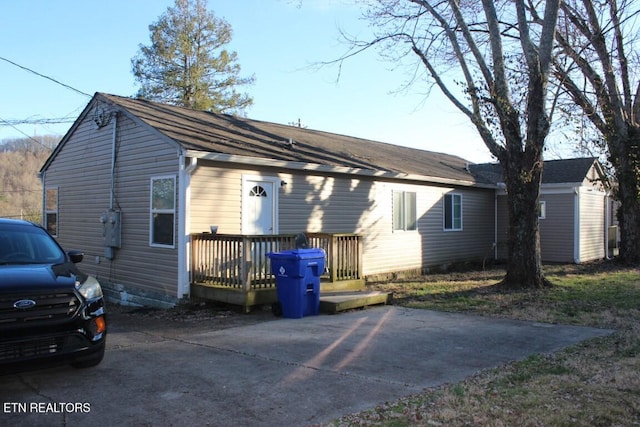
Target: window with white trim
[
  {"x": 404, "y": 210},
  {"x": 163, "y": 211},
  {"x": 51, "y": 210},
  {"x": 542, "y": 210},
  {"x": 258, "y": 191},
  {"x": 452, "y": 212}
]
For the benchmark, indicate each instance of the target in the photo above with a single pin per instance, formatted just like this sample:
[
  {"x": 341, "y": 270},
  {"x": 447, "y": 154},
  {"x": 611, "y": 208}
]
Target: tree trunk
[
  {"x": 628, "y": 177},
  {"x": 629, "y": 218},
  {"x": 524, "y": 263}
]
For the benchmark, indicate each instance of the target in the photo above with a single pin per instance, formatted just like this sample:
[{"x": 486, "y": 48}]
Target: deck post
[
  {"x": 359, "y": 256},
  {"x": 334, "y": 259},
  {"x": 246, "y": 261}
]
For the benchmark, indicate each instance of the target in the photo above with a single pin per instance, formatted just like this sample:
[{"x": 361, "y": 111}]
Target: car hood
[{"x": 34, "y": 277}]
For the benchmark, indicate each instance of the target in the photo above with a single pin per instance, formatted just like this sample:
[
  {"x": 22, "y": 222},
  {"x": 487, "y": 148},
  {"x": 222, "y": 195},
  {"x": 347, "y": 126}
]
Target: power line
[
  {"x": 37, "y": 121},
  {"x": 45, "y": 77},
  {"x": 28, "y": 136}
]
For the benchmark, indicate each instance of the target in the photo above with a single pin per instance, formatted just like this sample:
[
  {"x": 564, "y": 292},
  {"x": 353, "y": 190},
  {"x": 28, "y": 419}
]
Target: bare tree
[
  {"x": 500, "y": 66},
  {"x": 597, "y": 66}
]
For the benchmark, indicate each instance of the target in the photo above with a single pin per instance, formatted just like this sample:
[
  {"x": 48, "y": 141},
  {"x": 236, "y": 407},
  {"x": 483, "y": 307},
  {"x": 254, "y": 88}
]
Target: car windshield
[{"x": 27, "y": 244}]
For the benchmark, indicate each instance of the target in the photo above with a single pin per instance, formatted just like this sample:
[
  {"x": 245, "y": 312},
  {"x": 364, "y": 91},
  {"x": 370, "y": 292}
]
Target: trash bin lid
[{"x": 310, "y": 253}]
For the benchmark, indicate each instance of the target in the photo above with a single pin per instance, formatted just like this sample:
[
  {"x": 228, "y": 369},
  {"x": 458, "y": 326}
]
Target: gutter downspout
[
  {"x": 113, "y": 159},
  {"x": 184, "y": 204}
]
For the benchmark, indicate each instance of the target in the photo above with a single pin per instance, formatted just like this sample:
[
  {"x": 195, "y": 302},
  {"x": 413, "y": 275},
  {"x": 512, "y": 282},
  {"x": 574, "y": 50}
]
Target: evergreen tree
[{"x": 187, "y": 64}]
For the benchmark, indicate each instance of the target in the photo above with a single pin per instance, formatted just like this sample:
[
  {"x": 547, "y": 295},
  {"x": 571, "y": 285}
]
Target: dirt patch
[{"x": 195, "y": 317}]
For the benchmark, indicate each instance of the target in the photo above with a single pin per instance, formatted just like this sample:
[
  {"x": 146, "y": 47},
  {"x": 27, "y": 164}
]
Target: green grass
[
  {"x": 593, "y": 383},
  {"x": 588, "y": 298}
]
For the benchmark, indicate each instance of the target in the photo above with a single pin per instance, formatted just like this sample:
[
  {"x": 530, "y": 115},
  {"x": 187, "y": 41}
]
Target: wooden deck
[{"x": 235, "y": 269}]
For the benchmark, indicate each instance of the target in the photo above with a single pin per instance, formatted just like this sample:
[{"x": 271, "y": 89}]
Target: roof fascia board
[
  {"x": 556, "y": 188},
  {"x": 314, "y": 167},
  {"x": 560, "y": 187},
  {"x": 567, "y": 188}
]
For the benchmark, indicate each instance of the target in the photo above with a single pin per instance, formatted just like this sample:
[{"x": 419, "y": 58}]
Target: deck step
[{"x": 334, "y": 302}]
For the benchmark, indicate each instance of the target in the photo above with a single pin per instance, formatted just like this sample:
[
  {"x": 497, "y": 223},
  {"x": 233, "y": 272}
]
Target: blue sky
[{"x": 88, "y": 45}]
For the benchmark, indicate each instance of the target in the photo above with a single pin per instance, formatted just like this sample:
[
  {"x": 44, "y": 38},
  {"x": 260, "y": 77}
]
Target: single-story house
[{"x": 137, "y": 184}]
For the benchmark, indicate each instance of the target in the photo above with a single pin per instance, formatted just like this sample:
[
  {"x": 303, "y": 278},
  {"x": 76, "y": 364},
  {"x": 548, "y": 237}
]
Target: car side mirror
[{"x": 76, "y": 256}]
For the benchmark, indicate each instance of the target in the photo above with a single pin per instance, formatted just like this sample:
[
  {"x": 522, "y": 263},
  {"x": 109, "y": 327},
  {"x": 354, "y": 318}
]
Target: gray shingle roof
[
  {"x": 566, "y": 170},
  {"x": 554, "y": 172},
  {"x": 232, "y": 135},
  {"x": 221, "y": 133}
]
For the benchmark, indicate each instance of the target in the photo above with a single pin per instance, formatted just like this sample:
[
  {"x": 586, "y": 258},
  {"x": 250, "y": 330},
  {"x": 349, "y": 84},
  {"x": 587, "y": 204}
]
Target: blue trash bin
[{"x": 298, "y": 280}]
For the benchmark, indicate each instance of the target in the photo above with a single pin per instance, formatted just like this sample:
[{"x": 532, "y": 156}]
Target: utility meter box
[{"x": 111, "y": 223}]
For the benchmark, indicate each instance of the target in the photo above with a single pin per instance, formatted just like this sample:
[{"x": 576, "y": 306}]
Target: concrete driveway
[{"x": 278, "y": 372}]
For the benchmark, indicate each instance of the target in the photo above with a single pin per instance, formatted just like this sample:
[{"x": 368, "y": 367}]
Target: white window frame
[
  {"x": 452, "y": 197},
  {"x": 153, "y": 211},
  {"x": 48, "y": 211},
  {"x": 542, "y": 209},
  {"x": 402, "y": 210}
]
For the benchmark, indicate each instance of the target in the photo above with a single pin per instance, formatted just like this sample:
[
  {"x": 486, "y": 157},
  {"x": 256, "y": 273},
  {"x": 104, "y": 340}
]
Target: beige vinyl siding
[
  {"x": 332, "y": 204},
  {"x": 82, "y": 172},
  {"x": 216, "y": 198},
  {"x": 342, "y": 204},
  {"x": 365, "y": 206},
  {"x": 346, "y": 204},
  {"x": 558, "y": 227},
  {"x": 474, "y": 242},
  {"x": 306, "y": 203},
  {"x": 385, "y": 249},
  {"x": 83, "y": 162},
  {"x": 592, "y": 224}
]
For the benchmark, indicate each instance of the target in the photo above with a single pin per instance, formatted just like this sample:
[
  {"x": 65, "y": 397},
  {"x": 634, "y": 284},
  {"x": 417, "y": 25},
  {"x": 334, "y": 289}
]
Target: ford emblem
[{"x": 24, "y": 304}]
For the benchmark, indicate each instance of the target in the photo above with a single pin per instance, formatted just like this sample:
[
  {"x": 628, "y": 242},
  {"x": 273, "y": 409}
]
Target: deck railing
[{"x": 240, "y": 261}]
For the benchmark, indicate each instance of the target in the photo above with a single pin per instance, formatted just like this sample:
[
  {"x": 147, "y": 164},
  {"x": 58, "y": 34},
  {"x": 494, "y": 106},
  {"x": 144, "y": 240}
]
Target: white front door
[{"x": 259, "y": 213}]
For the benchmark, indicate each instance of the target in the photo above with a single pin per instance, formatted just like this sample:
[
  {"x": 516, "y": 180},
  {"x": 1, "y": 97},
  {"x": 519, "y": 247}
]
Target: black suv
[{"x": 49, "y": 310}]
